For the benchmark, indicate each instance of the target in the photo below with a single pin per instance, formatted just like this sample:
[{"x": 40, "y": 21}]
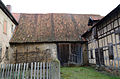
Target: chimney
[{"x": 9, "y": 7}]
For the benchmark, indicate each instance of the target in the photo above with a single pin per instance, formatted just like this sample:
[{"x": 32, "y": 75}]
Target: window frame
[
  {"x": 91, "y": 54},
  {"x": 5, "y": 27}
]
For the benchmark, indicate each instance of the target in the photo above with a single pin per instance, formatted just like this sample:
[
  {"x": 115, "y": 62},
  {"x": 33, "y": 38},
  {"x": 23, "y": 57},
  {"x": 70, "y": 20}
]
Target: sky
[{"x": 101, "y": 7}]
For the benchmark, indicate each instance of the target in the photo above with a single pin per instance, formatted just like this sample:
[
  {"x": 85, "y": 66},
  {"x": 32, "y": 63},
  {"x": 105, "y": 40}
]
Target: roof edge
[
  {"x": 12, "y": 43},
  {"x": 7, "y": 12},
  {"x": 113, "y": 11}
]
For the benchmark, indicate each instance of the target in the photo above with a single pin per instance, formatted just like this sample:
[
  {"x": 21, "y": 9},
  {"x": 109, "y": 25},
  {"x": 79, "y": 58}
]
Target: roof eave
[
  {"x": 113, "y": 11},
  {"x": 6, "y": 11},
  {"x": 12, "y": 43}
]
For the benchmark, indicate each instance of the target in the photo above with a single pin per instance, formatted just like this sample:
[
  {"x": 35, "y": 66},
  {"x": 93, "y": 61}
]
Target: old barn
[{"x": 58, "y": 36}]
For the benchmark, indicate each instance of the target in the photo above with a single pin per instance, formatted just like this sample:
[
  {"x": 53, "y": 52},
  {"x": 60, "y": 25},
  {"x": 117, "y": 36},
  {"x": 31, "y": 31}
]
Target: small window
[
  {"x": 5, "y": 27},
  {"x": 110, "y": 50},
  {"x": 12, "y": 29},
  {"x": 6, "y": 53},
  {"x": 115, "y": 23},
  {"x": 117, "y": 32},
  {"x": 91, "y": 54}
]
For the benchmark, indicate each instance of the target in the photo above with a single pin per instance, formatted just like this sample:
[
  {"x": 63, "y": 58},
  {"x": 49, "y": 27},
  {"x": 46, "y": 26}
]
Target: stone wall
[{"x": 21, "y": 53}]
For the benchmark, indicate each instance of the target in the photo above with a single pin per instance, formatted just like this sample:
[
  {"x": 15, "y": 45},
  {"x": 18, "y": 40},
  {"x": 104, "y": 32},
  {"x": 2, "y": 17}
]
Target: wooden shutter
[
  {"x": 101, "y": 56},
  {"x": 97, "y": 57},
  {"x": 110, "y": 50},
  {"x": 5, "y": 27},
  {"x": 94, "y": 31}
]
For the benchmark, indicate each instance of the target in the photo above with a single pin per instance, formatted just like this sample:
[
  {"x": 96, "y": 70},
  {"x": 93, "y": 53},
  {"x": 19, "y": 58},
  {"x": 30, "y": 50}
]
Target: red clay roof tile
[{"x": 51, "y": 27}]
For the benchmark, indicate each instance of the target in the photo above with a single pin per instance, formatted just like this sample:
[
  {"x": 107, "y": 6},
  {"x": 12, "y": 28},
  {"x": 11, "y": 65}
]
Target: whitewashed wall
[{"x": 5, "y": 38}]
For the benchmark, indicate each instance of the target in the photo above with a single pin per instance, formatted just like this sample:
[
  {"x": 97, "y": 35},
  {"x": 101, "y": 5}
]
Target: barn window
[
  {"x": 110, "y": 50},
  {"x": 91, "y": 54},
  {"x": 5, "y": 27},
  {"x": 117, "y": 31},
  {"x": 12, "y": 29}
]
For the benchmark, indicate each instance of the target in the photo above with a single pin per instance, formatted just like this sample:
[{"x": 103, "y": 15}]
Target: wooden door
[
  {"x": 97, "y": 57},
  {"x": 101, "y": 56},
  {"x": 76, "y": 50},
  {"x": 63, "y": 53}
]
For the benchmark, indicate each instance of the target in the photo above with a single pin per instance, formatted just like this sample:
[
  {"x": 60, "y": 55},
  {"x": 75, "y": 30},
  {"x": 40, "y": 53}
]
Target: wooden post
[
  {"x": 69, "y": 54},
  {"x": 16, "y": 55}
]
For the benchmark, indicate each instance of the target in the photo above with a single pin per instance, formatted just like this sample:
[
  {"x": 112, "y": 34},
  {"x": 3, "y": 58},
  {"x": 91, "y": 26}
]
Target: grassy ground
[{"x": 83, "y": 73}]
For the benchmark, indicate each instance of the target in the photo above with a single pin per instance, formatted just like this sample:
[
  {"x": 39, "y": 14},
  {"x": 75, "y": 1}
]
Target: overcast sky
[{"x": 101, "y": 7}]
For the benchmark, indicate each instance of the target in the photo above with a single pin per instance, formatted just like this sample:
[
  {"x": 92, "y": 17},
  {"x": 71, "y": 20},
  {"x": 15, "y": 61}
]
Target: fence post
[
  {"x": 34, "y": 70},
  {"x": 38, "y": 70},
  {"x": 56, "y": 69},
  {"x": 11, "y": 70},
  {"x": 41, "y": 70},
  {"x": 31, "y": 69},
  {"x": 27, "y": 71},
  {"x": 23, "y": 71},
  {"x": 18, "y": 76},
  {"x": 3, "y": 71}
]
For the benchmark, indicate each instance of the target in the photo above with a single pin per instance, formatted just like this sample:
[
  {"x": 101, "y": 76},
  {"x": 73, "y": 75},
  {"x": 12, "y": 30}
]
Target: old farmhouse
[
  {"x": 104, "y": 40},
  {"x": 50, "y": 36},
  {"x": 7, "y": 26}
]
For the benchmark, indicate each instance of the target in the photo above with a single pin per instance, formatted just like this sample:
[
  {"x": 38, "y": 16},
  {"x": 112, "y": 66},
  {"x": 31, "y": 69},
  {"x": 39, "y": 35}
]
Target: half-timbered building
[{"x": 104, "y": 40}]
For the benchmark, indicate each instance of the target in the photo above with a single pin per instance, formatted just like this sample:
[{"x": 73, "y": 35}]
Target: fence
[{"x": 35, "y": 70}]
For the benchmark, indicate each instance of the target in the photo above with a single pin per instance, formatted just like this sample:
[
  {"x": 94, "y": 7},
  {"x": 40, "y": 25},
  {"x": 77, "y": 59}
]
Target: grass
[{"x": 83, "y": 73}]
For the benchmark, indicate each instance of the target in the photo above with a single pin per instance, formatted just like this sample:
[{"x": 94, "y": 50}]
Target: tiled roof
[
  {"x": 16, "y": 16},
  {"x": 96, "y": 17},
  {"x": 51, "y": 27}
]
